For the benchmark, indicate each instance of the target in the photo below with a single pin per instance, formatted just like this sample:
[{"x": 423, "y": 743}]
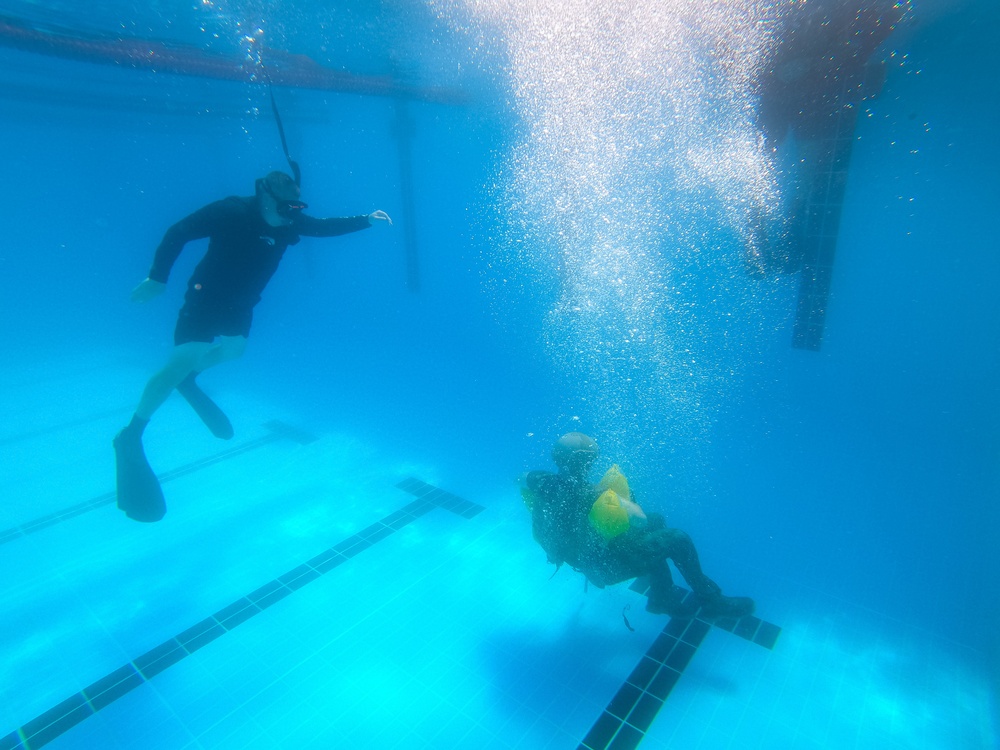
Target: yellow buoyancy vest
[
  {"x": 613, "y": 479},
  {"x": 608, "y": 516}
]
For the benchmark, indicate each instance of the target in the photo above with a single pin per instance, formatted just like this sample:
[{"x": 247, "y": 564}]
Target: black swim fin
[
  {"x": 139, "y": 493},
  {"x": 213, "y": 417},
  {"x": 727, "y": 606}
]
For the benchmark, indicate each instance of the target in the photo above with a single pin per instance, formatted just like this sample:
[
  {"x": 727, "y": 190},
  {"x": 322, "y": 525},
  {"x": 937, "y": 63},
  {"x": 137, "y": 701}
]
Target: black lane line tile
[
  {"x": 628, "y": 738},
  {"x": 747, "y": 627},
  {"x": 293, "y": 433},
  {"x": 435, "y": 496},
  {"x": 663, "y": 683},
  {"x": 264, "y": 591},
  {"x": 403, "y": 520},
  {"x": 52, "y": 429},
  {"x": 449, "y": 501},
  {"x": 601, "y": 733},
  {"x": 331, "y": 560},
  {"x": 273, "y": 598},
  {"x": 680, "y": 656},
  {"x": 643, "y": 673},
  {"x": 217, "y": 458},
  {"x": 661, "y": 647},
  {"x": 296, "y": 579},
  {"x": 410, "y": 484},
  {"x": 377, "y": 533},
  {"x": 74, "y": 512},
  {"x": 419, "y": 507},
  {"x": 39, "y": 732},
  {"x": 647, "y": 687},
  {"x": 322, "y": 557},
  {"x": 156, "y": 660},
  {"x": 200, "y": 635},
  {"x": 421, "y": 489},
  {"x": 624, "y": 700},
  {"x": 358, "y": 545},
  {"x": 10, "y": 534},
  {"x": 345, "y": 544},
  {"x": 42, "y": 729},
  {"x": 239, "y": 611},
  {"x": 37, "y": 524},
  {"x": 677, "y": 626},
  {"x": 767, "y": 635},
  {"x": 726, "y": 623},
  {"x": 644, "y": 712},
  {"x": 399, "y": 515},
  {"x": 751, "y": 628},
  {"x": 64, "y": 724},
  {"x": 696, "y": 632},
  {"x": 109, "y": 689},
  {"x": 195, "y": 631}
]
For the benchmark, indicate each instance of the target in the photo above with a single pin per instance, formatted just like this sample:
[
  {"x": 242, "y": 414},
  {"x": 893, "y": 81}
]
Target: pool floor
[{"x": 307, "y": 591}]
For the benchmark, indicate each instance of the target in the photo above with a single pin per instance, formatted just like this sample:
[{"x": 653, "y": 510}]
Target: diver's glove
[
  {"x": 379, "y": 216},
  {"x": 148, "y": 289}
]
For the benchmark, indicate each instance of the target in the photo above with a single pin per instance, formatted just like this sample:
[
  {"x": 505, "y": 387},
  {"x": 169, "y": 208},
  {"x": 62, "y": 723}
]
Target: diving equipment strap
[{"x": 296, "y": 172}]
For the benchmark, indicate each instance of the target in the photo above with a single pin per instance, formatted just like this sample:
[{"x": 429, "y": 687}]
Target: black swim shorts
[{"x": 203, "y": 322}]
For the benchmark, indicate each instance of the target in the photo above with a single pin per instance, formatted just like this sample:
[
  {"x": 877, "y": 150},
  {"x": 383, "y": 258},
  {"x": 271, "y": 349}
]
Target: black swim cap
[{"x": 280, "y": 185}]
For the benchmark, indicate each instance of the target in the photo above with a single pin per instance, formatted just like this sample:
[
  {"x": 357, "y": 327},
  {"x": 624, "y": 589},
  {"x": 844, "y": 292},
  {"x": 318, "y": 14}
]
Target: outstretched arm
[
  {"x": 310, "y": 226},
  {"x": 147, "y": 289}
]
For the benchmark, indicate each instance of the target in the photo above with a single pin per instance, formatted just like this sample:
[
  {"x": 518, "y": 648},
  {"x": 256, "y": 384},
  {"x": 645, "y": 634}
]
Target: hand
[
  {"x": 636, "y": 516},
  {"x": 379, "y": 216},
  {"x": 147, "y": 289}
]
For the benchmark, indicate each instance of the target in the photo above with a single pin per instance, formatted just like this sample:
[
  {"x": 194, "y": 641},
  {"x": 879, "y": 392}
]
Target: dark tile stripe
[
  {"x": 30, "y": 527},
  {"x": 43, "y": 729},
  {"x": 89, "y": 419},
  {"x": 239, "y": 450},
  {"x": 109, "y": 689},
  {"x": 292, "y": 433},
  {"x": 278, "y": 431},
  {"x": 630, "y": 713},
  {"x": 767, "y": 635},
  {"x": 433, "y": 497},
  {"x": 749, "y": 628}
]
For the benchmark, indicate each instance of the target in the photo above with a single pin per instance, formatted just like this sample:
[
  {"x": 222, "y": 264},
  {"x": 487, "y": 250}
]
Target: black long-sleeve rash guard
[{"x": 243, "y": 250}]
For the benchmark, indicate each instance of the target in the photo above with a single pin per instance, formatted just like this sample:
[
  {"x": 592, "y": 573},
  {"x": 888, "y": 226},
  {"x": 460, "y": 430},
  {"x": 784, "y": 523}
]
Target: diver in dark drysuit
[
  {"x": 561, "y": 504},
  {"x": 247, "y": 238}
]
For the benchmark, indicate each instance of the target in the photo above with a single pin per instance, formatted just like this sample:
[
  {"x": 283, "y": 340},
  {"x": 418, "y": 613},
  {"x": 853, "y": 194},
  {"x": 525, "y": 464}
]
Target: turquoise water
[{"x": 582, "y": 200}]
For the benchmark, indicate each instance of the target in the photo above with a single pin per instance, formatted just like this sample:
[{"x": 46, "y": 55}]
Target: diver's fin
[
  {"x": 139, "y": 492},
  {"x": 676, "y": 603},
  {"x": 727, "y": 606},
  {"x": 213, "y": 417}
]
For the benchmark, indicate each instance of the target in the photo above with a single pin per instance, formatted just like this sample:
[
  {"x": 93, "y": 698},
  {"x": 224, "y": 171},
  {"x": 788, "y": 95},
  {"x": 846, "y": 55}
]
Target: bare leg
[
  {"x": 214, "y": 418},
  {"x": 225, "y": 349},
  {"x": 193, "y": 356},
  {"x": 183, "y": 360}
]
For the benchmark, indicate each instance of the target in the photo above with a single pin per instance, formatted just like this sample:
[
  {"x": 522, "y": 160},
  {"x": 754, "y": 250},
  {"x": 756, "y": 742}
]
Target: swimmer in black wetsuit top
[{"x": 247, "y": 238}]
